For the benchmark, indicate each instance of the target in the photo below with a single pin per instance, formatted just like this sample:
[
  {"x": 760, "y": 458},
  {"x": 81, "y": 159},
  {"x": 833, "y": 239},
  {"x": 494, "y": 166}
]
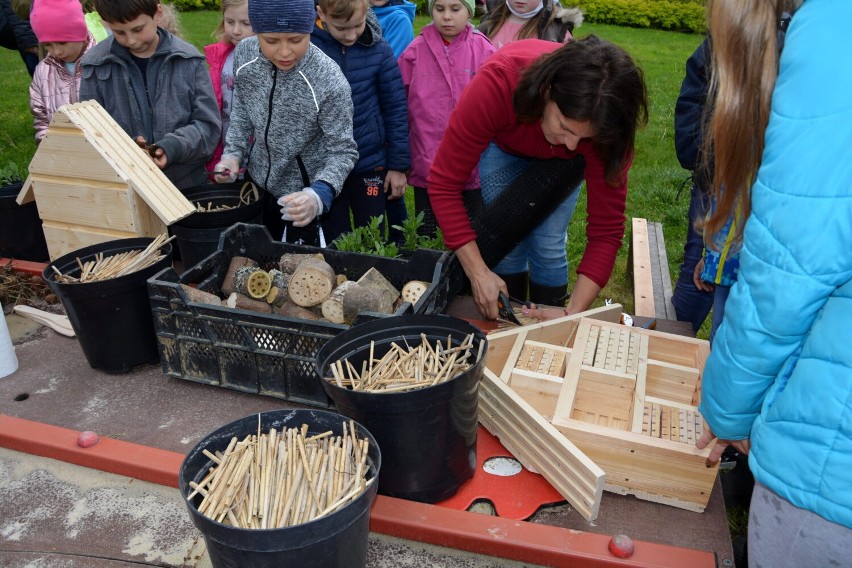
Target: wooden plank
[
  {"x": 95, "y": 204},
  {"x": 69, "y": 154},
  {"x": 512, "y": 360},
  {"x": 147, "y": 180},
  {"x": 643, "y": 287},
  {"x": 539, "y": 446},
  {"x": 640, "y": 394},
  {"x": 660, "y": 261},
  {"x": 62, "y": 238},
  {"x": 672, "y": 382},
  {"x": 538, "y": 390},
  {"x": 572, "y": 370},
  {"x": 653, "y": 469}
]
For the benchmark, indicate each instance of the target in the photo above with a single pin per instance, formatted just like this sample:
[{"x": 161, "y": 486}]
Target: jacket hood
[
  {"x": 371, "y": 36},
  {"x": 401, "y": 6},
  {"x": 168, "y": 45}
]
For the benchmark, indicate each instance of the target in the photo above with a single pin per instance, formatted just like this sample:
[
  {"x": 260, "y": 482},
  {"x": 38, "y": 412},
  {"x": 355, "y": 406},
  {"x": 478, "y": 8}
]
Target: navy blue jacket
[
  {"x": 689, "y": 109},
  {"x": 380, "y": 120}
]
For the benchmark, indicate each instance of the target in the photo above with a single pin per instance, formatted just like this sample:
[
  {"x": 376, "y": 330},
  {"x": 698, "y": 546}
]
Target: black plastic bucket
[
  {"x": 112, "y": 318},
  {"x": 427, "y": 436},
  {"x": 338, "y": 540},
  {"x": 21, "y": 235},
  {"x": 198, "y": 234}
]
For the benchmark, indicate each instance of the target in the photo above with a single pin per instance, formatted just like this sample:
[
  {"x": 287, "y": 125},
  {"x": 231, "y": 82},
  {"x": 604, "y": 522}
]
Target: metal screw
[{"x": 727, "y": 562}]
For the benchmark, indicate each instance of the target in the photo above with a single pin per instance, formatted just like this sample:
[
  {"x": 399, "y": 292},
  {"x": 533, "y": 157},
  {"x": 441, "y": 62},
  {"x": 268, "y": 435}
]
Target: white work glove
[
  {"x": 300, "y": 207},
  {"x": 227, "y": 170}
]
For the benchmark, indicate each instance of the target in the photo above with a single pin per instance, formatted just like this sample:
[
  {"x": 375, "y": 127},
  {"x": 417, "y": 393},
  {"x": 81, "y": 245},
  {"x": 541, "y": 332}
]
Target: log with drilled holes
[
  {"x": 236, "y": 263},
  {"x": 413, "y": 290},
  {"x": 312, "y": 282}
]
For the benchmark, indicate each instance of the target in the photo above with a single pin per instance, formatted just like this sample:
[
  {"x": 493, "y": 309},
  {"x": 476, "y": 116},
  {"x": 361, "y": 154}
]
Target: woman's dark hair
[
  {"x": 592, "y": 80},
  {"x": 123, "y": 11}
]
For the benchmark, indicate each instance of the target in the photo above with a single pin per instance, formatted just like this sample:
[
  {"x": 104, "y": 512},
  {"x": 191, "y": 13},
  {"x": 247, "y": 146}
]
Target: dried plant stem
[{"x": 277, "y": 479}]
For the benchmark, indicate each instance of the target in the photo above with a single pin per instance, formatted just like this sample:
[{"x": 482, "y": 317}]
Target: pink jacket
[
  {"x": 216, "y": 54},
  {"x": 434, "y": 76},
  {"x": 53, "y": 86}
]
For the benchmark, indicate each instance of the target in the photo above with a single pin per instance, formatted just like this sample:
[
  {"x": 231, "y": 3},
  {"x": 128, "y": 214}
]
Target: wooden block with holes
[
  {"x": 92, "y": 183},
  {"x": 586, "y": 389}
]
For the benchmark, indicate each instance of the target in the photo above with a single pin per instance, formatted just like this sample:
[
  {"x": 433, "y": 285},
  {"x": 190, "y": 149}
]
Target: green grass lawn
[{"x": 654, "y": 178}]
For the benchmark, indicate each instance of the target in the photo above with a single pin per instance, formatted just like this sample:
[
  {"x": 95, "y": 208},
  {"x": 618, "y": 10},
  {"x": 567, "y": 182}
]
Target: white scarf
[{"x": 529, "y": 14}]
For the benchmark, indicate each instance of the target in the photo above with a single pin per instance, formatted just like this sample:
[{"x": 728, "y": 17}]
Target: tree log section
[
  {"x": 350, "y": 299},
  {"x": 237, "y": 262},
  {"x": 312, "y": 282}
]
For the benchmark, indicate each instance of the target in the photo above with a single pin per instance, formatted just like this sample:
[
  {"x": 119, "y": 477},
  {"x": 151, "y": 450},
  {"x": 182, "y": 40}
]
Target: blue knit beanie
[{"x": 282, "y": 16}]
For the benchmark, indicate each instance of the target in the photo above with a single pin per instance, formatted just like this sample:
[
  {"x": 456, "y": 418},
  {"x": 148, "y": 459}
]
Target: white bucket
[{"x": 8, "y": 359}]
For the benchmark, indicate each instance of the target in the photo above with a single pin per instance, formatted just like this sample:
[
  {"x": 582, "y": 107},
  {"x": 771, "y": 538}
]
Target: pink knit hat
[{"x": 58, "y": 20}]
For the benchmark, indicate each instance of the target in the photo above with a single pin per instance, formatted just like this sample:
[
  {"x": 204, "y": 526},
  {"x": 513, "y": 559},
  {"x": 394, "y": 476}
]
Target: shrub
[
  {"x": 672, "y": 15},
  {"x": 190, "y": 5}
]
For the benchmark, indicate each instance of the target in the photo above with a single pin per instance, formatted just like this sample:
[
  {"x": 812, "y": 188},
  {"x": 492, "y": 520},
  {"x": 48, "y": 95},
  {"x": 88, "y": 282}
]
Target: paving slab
[{"x": 55, "y": 385}]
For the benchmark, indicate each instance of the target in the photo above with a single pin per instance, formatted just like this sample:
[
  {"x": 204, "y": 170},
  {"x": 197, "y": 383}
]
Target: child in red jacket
[{"x": 234, "y": 26}]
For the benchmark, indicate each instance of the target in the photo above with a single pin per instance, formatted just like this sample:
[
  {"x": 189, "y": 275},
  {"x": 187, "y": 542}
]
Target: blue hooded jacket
[
  {"x": 780, "y": 372},
  {"x": 396, "y": 19}
]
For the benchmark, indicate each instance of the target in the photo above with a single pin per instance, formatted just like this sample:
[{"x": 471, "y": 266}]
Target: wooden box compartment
[{"x": 624, "y": 398}]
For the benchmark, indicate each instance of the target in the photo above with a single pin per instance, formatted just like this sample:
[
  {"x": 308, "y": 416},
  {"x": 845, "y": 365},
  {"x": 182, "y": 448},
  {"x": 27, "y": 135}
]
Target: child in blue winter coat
[
  {"x": 349, "y": 33},
  {"x": 435, "y": 68},
  {"x": 396, "y": 18}
]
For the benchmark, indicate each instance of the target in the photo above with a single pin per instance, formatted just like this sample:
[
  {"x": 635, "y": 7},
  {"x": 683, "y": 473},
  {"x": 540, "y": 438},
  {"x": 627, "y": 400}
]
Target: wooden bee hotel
[
  {"x": 592, "y": 404},
  {"x": 92, "y": 183}
]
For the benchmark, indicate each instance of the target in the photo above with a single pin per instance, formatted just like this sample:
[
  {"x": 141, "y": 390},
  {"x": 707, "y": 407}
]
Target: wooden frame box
[
  {"x": 92, "y": 183},
  {"x": 592, "y": 404}
]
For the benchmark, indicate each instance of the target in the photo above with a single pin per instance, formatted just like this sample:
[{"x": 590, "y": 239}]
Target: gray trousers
[{"x": 782, "y": 535}]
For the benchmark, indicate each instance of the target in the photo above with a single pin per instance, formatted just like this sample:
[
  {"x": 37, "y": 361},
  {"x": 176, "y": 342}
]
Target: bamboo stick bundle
[
  {"x": 113, "y": 266},
  {"x": 277, "y": 479},
  {"x": 404, "y": 369}
]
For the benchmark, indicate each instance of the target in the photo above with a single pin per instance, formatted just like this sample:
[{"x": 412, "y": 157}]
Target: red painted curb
[
  {"x": 24, "y": 265},
  {"x": 481, "y": 534}
]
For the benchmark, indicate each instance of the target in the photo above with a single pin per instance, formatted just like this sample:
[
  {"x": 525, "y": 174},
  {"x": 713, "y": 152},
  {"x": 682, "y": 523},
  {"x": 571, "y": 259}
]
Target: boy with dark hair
[
  {"x": 296, "y": 104},
  {"x": 156, "y": 87},
  {"x": 349, "y": 33}
]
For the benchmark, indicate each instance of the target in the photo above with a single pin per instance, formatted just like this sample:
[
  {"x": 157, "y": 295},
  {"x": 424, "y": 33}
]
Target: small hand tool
[{"x": 505, "y": 309}]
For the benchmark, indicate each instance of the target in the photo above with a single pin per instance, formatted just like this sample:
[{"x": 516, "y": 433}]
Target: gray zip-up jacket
[
  {"x": 303, "y": 112},
  {"x": 178, "y": 111}
]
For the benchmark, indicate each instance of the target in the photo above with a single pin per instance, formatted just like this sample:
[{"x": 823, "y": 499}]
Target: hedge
[{"x": 674, "y": 15}]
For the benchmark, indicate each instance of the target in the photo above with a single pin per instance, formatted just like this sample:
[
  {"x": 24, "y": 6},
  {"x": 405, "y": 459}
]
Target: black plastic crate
[{"x": 269, "y": 354}]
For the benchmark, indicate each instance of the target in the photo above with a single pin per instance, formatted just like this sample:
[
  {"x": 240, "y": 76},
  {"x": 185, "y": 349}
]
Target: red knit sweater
[{"x": 484, "y": 113}]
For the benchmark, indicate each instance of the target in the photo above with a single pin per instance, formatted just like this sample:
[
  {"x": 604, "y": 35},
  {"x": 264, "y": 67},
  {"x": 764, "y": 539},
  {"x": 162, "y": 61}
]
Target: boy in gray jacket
[
  {"x": 291, "y": 119},
  {"x": 156, "y": 87}
]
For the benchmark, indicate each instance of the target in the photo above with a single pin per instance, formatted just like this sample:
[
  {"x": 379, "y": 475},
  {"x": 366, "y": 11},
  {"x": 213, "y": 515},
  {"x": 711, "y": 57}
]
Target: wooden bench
[{"x": 649, "y": 265}]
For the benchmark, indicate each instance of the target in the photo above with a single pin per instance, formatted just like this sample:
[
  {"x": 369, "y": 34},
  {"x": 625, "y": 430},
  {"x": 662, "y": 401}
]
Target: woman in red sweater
[{"x": 531, "y": 102}]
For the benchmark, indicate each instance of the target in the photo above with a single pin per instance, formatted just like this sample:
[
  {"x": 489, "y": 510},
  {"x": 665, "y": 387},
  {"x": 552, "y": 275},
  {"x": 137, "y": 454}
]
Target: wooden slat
[
  {"x": 62, "y": 239},
  {"x": 147, "y": 180},
  {"x": 662, "y": 276},
  {"x": 69, "y": 154},
  {"x": 572, "y": 370},
  {"x": 539, "y": 446},
  {"x": 102, "y": 205},
  {"x": 643, "y": 287},
  {"x": 662, "y": 471}
]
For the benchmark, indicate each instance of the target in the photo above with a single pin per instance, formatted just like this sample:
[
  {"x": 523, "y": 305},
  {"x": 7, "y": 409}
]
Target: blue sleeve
[
  {"x": 689, "y": 108},
  {"x": 394, "y": 104},
  {"x": 325, "y": 192}
]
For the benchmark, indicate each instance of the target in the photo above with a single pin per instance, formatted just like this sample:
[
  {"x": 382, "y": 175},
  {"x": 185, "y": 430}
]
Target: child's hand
[
  {"x": 226, "y": 170},
  {"x": 395, "y": 182},
  {"x": 696, "y": 278},
  {"x": 158, "y": 155},
  {"x": 301, "y": 207}
]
